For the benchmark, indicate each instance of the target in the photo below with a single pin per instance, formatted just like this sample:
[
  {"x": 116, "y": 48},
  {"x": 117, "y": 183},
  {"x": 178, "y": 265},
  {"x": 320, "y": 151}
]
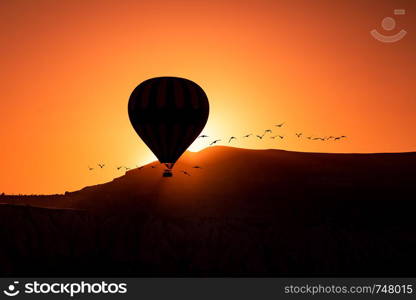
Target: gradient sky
[{"x": 68, "y": 68}]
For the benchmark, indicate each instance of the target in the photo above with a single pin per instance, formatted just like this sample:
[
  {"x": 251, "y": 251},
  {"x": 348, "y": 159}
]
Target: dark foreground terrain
[{"x": 245, "y": 213}]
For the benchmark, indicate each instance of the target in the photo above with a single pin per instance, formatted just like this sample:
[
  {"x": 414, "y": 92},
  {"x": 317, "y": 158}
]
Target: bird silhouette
[
  {"x": 203, "y": 136},
  {"x": 118, "y": 168},
  {"x": 309, "y": 137},
  {"x": 197, "y": 167},
  {"x": 268, "y": 130},
  {"x": 89, "y": 168},
  {"x": 279, "y": 125},
  {"x": 186, "y": 173},
  {"x": 247, "y": 135},
  {"x": 260, "y": 136},
  {"x": 127, "y": 168},
  {"x": 273, "y": 137},
  {"x": 214, "y": 142},
  {"x": 317, "y": 138},
  {"x": 101, "y": 165},
  {"x": 281, "y": 137},
  {"x": 232, "y": 138},
  {"x": 299, "y": 134}
]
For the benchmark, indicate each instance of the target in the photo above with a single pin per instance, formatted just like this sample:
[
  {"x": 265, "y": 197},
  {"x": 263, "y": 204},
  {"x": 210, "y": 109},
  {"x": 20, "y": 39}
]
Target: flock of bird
[
  {"x": 118, "y": 168},
  {"x": 299, "y": 135}
]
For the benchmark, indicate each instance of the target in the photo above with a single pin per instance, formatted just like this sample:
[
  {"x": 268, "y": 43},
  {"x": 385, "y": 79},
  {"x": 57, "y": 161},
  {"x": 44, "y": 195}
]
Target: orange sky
[{"x": 68, "y": 68}]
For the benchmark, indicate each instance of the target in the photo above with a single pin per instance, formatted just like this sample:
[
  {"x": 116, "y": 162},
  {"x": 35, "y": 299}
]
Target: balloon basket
[{"x": 167, "y": 173}]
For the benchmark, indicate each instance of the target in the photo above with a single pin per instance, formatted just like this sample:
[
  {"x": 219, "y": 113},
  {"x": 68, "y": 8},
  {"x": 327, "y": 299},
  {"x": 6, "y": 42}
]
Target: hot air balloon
[{"x": 168, "y": 113}]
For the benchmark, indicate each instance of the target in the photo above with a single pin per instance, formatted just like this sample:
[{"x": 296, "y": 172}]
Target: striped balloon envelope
[{"x": 168, "y": 113}]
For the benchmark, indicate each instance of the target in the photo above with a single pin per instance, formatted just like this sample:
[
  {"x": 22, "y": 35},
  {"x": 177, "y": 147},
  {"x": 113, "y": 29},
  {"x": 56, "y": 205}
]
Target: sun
[{"x": 198, "y": 145}]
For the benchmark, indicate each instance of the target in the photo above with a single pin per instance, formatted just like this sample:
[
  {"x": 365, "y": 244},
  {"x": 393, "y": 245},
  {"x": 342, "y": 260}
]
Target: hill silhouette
[{"x": 243, "y": 213}]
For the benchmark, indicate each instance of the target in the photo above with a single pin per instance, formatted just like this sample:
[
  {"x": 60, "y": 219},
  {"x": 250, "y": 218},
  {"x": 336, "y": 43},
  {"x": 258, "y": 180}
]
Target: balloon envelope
[{"x": 168, "y": 113}]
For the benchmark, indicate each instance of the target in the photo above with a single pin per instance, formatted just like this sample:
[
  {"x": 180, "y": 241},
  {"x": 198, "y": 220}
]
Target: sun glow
[{"x": 259, "y": 62}]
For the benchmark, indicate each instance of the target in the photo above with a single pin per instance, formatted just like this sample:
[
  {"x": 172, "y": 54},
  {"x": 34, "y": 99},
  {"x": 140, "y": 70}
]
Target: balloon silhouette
[{"x": 168, "y": 113}]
